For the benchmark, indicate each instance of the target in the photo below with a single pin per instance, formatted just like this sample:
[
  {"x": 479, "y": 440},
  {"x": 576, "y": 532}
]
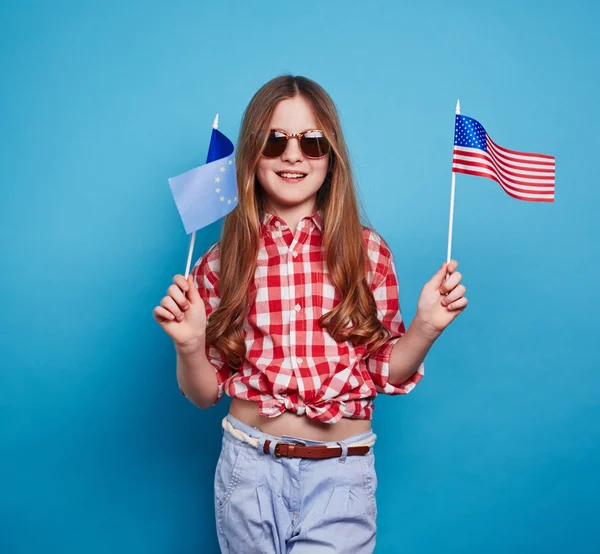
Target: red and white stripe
[{"x": 522, "y": 175}]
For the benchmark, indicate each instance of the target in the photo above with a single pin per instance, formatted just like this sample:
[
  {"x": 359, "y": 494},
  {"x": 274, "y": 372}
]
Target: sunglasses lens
[
  {"x": 275, "y": 145},
  {"x": 314, "y": 144}
]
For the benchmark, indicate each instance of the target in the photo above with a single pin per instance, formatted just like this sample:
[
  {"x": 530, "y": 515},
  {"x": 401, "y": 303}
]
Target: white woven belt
[{"x": 240, "y": 435}]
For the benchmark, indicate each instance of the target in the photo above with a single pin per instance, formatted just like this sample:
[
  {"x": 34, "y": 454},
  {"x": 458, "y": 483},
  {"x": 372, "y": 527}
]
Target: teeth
[{"x": 292, "y": 175}]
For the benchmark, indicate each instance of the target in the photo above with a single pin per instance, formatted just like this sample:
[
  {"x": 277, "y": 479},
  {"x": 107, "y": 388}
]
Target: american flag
[{"x": 522, "y": 175}]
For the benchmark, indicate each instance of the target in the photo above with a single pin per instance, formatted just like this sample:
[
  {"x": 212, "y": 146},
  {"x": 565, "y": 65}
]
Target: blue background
[{"x": 498, "y": 448}]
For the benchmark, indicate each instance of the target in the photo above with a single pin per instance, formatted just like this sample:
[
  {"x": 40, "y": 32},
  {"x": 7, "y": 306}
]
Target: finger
[
  {"x": 439, "y": 276},
  {"x": 450, "y": 283},
  {"x": 168, "y": 303},
  {"x": 193, "y": 294},
  {"x": 181, "y": 282},
  {"x": 162, "y": 314},
  {"x": 452, "y": 265},
  {"x": 184, "y": 285},
  {"x": 179, "y": 296},
  {"x": 454, "y": 295},
  {"x": 460, "y": 304}
]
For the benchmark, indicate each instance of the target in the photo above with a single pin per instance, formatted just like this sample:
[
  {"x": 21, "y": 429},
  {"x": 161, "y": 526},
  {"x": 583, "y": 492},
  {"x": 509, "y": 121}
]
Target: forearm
[
  {"x": 196, "y": 375},
  {"x": 410, "y": 351}
]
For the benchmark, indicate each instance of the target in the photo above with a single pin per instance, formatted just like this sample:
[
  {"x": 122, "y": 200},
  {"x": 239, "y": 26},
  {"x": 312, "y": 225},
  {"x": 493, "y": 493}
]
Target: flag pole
[
  {"x": 452, "y": 191},
  {"x": 193, "y": 239}
]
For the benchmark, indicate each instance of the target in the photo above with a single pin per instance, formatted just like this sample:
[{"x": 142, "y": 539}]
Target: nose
[{"x": 292, "y": 152}]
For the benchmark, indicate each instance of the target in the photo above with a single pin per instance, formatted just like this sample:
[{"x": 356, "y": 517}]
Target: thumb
[{"x": 193, "y": 294}]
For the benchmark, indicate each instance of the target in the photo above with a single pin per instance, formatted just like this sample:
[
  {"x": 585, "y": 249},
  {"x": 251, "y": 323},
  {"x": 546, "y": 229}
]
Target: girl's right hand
[{"x": 182, "y": 313}]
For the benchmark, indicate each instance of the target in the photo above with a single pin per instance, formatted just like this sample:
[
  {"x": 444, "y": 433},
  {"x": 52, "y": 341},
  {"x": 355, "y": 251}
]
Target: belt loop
[
  {"x": 272, "y": 446},
  {"x": 261, "y": 443},
  {"x": 344, "y": 448}
]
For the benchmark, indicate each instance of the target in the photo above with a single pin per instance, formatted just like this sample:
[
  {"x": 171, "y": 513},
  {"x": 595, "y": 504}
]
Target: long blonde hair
[{"x": 354, "y": 319}]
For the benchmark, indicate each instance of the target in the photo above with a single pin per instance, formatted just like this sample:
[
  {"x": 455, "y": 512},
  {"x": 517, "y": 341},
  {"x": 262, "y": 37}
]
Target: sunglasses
[{"x": 313, "y": 143}]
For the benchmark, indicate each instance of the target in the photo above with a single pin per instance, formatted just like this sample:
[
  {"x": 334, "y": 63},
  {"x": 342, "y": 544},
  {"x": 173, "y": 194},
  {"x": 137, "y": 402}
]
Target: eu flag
[{"x": 209, "y": 192}]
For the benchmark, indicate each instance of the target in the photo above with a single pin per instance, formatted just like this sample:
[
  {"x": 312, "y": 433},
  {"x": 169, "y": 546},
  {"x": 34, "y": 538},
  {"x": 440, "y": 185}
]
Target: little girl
[{"x": 294, "y": 314}]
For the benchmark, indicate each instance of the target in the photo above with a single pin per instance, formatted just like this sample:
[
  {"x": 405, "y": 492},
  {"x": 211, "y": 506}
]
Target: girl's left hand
[{"x": 441, "y": 300}]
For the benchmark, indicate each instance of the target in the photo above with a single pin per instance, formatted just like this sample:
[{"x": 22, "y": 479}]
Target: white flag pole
[
  {"x": 193, "y": 239},
  {"x": 452, "y": 190},
  {"x": 190, "y": 252}
]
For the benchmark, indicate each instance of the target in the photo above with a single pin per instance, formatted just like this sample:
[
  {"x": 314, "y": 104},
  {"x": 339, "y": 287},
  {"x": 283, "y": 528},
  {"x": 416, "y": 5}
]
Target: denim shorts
[{"x": 282, "y": 505}]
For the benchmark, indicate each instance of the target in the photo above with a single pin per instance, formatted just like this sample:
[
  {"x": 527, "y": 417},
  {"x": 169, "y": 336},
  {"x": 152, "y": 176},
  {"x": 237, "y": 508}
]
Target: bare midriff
[{"x": 295, "y": 425}]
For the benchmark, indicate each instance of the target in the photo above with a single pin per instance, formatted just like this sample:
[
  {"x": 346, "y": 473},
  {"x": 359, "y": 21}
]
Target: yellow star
[
  {"x": 223, "y": 169},
  {"x": 222, "y": 198},
  {"x": 217, "y": 179},
  {"x": 230, "y": 162},
  {"x": 229, "y": 201},
  {"x": 235, "y": 198},
  {"x": 217, "y": 190}
]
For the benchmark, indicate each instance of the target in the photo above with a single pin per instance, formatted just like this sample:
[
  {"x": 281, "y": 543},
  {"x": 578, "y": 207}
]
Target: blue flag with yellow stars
[{"x": 208, "y": 192}]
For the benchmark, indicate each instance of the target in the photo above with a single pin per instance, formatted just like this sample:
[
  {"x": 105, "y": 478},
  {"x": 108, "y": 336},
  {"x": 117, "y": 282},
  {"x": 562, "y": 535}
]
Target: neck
[{"x": 292, "y": 214}]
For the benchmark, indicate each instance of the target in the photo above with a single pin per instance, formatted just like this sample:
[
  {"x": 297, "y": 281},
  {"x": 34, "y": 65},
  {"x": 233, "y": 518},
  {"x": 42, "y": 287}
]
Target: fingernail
[{"x": 179, "y": 317}]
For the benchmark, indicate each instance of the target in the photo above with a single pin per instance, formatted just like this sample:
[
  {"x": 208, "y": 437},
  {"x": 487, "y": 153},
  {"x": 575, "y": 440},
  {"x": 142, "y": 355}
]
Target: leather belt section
[{"x": 288, "y": 450}]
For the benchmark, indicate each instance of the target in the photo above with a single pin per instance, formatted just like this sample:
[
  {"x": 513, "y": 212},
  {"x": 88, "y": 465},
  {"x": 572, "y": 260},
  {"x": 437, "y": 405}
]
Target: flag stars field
[{"x": 207, "y": 193}]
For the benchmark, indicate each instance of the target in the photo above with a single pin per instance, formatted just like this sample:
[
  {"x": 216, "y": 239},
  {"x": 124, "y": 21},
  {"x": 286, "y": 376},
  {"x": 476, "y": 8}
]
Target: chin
[
  {"x": 289, "y": 198},
  {"x": 289, "y": 202}
]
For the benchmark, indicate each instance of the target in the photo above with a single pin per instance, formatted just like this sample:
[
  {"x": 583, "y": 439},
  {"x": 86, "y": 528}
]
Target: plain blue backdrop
[{"x": 497, "y": 450}]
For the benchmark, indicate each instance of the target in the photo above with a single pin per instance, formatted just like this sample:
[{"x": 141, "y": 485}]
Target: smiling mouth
[{"x": 291, "y": 176}]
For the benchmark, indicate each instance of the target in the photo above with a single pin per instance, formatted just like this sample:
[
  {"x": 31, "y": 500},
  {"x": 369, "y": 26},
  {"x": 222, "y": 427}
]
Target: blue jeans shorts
[{"x": 282, "y": 505}]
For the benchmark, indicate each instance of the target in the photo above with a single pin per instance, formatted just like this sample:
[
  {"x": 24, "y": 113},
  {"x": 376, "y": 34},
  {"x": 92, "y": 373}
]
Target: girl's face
[{"x": 292, "y": 180}]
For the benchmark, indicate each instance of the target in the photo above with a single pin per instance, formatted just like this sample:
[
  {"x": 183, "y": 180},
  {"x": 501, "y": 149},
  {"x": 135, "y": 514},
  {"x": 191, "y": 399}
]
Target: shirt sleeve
[
  {"x": 206, "y": 279},
  {"x": 385, "y": 291}
]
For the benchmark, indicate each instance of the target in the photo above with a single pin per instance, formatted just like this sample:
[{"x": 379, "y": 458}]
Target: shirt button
[
  {"x": 297, "y": 307},
  {"x": 295, "y": 254},
  {"x": 299, "y": 360},
  {"x": 277, "y": 224}
]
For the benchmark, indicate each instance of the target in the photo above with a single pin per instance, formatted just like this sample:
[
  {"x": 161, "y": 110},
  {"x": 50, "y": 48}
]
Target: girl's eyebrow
[{"x": 303, "y": 130}]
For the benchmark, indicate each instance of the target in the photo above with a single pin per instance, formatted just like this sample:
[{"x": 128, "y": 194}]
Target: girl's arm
[
  {"x": 441, "y": 301},
  {"x": 201, "y": 370},
  {"x": 397, "y": 366},
  {"x": 409, "y": 352},
  {"x": 196, "y": 376}
]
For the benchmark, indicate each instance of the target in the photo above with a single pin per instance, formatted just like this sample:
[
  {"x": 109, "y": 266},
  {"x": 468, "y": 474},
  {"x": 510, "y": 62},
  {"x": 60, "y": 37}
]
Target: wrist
[
  {"x": 425, "y": 329},
  {"x": 192, "y": 346}
]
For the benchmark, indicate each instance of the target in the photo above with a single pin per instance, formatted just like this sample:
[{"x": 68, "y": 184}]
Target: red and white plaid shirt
[{"x": 292, "y": 363}]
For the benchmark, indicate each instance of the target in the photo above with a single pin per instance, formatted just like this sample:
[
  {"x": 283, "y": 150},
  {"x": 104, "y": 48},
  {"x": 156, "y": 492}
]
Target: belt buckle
[
  {"x": 289, "y": 449},
  {"x": 276, "y": 450}
]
